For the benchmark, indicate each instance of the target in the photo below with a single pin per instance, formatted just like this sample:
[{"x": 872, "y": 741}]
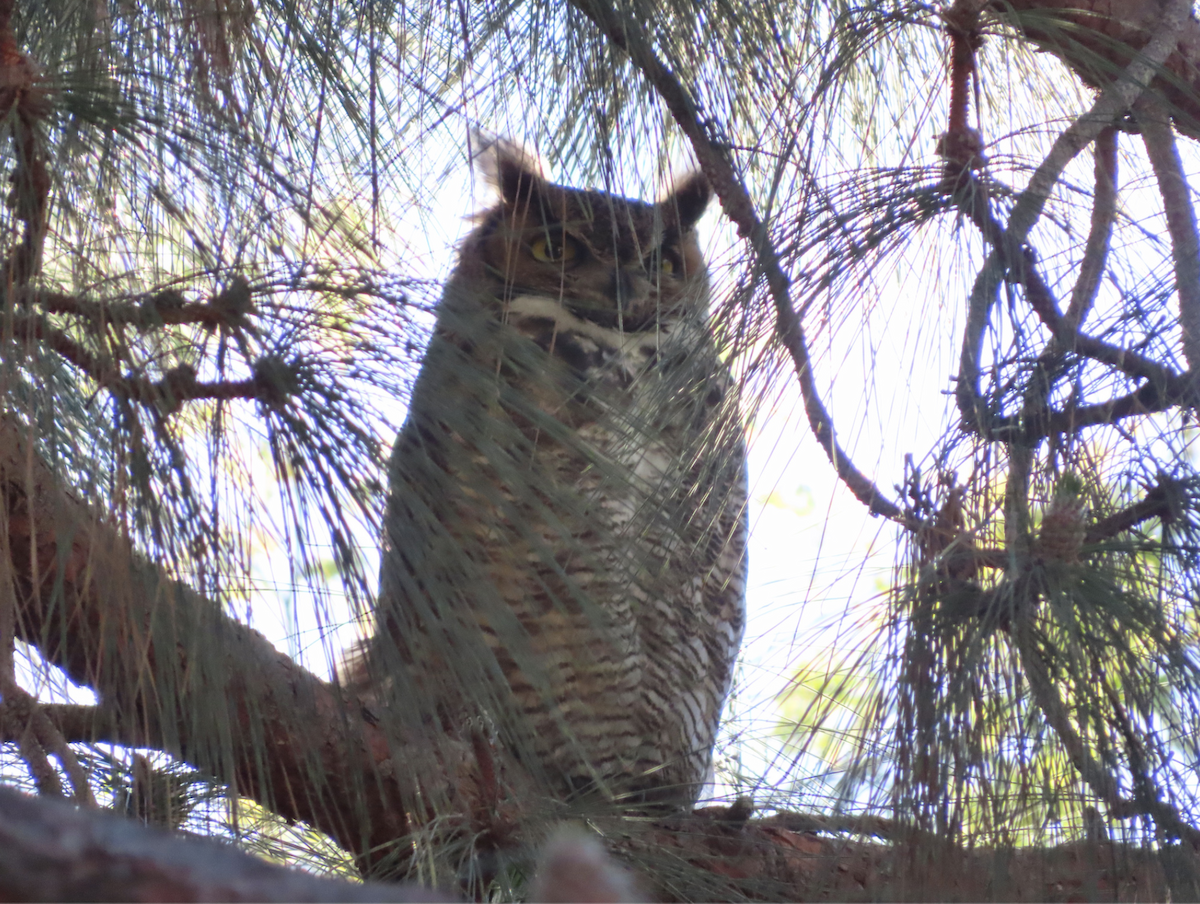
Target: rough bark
[
  {"x": 114, "y": 623},
  {"x": 51, "y": 851}
]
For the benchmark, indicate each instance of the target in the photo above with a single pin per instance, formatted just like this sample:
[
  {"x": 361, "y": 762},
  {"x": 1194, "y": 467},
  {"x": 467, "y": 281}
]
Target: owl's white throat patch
[{"x": 542, "y": 307}]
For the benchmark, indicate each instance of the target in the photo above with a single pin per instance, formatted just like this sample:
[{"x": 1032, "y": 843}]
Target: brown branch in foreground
[
  {"x": 114, "y": 622},
  {"x": 50, "y": 851},
  {"x": 735, "y": 200}
]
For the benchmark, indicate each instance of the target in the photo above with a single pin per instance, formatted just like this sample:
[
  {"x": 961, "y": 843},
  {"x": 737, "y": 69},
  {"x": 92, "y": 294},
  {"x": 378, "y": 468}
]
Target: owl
[{"x": 564, "y": 548}]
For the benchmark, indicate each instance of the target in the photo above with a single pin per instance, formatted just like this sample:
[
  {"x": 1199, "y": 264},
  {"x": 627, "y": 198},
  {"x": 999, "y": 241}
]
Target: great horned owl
[{"x": 564, "y": 552}]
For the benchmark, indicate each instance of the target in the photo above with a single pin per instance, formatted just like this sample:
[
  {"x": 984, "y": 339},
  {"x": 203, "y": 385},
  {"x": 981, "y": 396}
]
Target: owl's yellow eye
[
  {"x": 663, "y": 261},
  {"x": 549, "y": 251}
]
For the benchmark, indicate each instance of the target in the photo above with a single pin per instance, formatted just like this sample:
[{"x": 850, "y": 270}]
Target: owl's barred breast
[{"x": 564, "y": 555}]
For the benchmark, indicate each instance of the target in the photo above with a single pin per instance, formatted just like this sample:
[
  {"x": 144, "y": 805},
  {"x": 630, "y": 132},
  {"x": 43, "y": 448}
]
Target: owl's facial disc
[
  {"x": 601, "y": 276},
  {"x": 617, "y": 262}
]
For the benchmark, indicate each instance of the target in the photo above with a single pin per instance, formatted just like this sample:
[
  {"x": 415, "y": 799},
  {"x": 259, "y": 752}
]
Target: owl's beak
[{"x": 629, "y": 290}]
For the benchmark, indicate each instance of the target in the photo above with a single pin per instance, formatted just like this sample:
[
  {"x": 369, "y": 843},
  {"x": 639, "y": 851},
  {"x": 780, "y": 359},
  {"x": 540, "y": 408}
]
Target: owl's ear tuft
[
  {"x": 687, "y": 202},
  {"x": 514, "y": 171}
]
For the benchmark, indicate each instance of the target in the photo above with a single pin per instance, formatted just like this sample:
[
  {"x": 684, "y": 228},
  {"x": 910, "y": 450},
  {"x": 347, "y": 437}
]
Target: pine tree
[{"x": 215, "y": 296}]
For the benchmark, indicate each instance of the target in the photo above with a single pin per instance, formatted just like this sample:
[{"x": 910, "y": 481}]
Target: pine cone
[{"x": 1064, "y": 527}]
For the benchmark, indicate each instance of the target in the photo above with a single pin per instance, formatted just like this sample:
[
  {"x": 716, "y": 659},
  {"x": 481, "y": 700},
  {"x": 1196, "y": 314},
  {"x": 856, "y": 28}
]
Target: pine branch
[
  {"x": 1012, "y": 258},
  {"x": 1035, "y": 424},
  {"x": 1161, "y": 501},
  {"x": 1166, "y": 388},
  {"x": 1046, "y": 696},
  {"x": 1104, "y": 210},
  {"x": 228, "y": 309},
  {"x": 1159, "y": 138}
]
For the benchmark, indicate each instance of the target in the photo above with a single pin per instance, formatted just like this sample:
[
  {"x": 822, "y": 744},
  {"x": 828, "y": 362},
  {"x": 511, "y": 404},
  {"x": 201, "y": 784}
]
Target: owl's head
[{"x": 611, "y": 260}]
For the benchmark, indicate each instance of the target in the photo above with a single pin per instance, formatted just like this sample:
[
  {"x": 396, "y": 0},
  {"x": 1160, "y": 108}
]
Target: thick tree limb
[
  {"x": 151, "y": 648},
  {"x": 50, "y": 851}
]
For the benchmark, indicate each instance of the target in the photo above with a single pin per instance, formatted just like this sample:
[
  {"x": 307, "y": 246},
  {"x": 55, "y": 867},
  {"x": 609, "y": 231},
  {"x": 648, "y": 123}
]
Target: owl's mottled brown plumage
[{"x": 564, "y": 557}]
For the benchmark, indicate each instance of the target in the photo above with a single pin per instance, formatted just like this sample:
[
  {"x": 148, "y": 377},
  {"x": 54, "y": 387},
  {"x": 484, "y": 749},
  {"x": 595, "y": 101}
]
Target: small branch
[
  {"x": 228, "y": 309},
  {"x": 16, "y": 722},
  {"x": 1021, "y": 262},
  {"x": 1033, "y": 425},
  {"x": 1018, "y": 262},
  {"x": 179, "y": 385},
  {"x": 1165, "y": 816},
  {"x": 1159, "y": 502},
  {"x": 102, "y": 372},
  {"x": 1104, "y": 210},
  {"x": 979, "y": 307},
  {"x": 1159, "y": 139},
  {"x": 735, "y": 200},
  {"x": 24, "y": 722},
  {"x": 1008, "y": 249},
  {"x": 1045, "y": 694},
  {"x": 52, "y": 740}
]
